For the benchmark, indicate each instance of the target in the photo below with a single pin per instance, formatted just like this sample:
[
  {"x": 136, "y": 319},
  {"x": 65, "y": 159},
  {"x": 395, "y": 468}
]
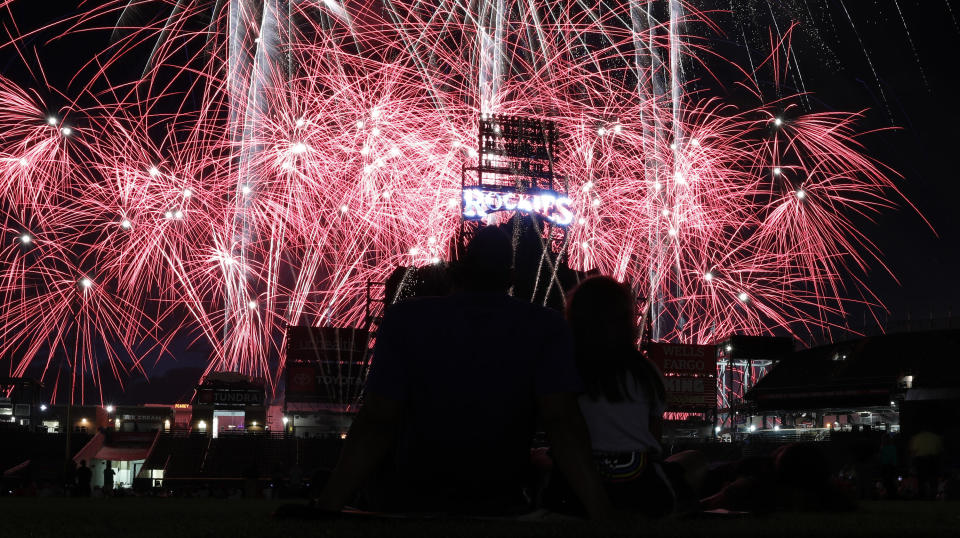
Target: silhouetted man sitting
[
  {"x": 460, "y": 380},
  {"x": 84, "y": 474}
]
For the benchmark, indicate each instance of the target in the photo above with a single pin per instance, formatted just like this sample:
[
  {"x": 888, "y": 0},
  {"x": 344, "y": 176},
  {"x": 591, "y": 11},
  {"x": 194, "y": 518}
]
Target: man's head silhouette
[{"x": 486, "y": 264}]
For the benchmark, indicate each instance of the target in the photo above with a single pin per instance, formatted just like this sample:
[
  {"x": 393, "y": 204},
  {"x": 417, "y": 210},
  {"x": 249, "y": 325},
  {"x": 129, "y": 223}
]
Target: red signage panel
[
  {"x": 326, "y": 364},
  {"x": 690, "y": 374},
  {"x": 301, "y": 379}
]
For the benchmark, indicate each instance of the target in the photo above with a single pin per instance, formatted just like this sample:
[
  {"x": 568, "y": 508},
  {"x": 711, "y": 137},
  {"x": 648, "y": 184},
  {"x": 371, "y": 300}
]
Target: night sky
[
  {"x": 918, "y": 123},
  {"x": 922, "y": 149},
  {"x": 915, "y": 96}
]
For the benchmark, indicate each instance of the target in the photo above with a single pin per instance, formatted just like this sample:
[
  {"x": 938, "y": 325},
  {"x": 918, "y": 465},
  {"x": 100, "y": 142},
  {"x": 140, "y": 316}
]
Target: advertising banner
[
  {"x": 325, "y": 364},
  {"x": 690, "y": 375},
  {"x": 228, "y": 397}
]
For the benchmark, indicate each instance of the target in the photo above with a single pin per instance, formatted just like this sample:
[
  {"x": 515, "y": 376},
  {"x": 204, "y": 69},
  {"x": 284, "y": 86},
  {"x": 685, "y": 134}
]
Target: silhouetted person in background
[
  {"x": 84, "y": 474},
  {"x": 70, "y": 479},
  {"x": 926, "y": 449},
  {"x": 889, "y": 460},
  {"x": 108, "y": 473},
  {"x": 295, "y": 476},
  {"x": 865, "y": 465},
  {"x": 276, "y": 480},
  {"x": 795, "y": 478},
  {"x": 250, "y": 480},
  {"x": 456, "y": 384}
]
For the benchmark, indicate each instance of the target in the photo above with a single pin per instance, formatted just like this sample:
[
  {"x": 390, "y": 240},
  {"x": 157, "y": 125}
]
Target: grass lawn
[{"x": 181, "y": 518}]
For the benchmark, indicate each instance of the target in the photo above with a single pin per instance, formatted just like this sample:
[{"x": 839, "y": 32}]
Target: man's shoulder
[
  {"x": 417, "y": 305},
  {"x": 420, "y": 306},
  {"x": 509, "y": 301},
  {"x": 537, "y": 312}
]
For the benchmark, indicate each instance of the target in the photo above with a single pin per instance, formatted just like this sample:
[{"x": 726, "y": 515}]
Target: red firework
[{"x": 273, "y": 157}]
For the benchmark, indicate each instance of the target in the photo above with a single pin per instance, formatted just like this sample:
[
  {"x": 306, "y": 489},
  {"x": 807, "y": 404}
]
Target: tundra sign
[
  {"x": 690, "y": 375},
  {"x": 226, "y": 397}
]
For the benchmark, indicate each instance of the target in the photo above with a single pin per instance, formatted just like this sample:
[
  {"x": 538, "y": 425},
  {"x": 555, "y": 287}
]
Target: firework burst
[{"x": 275, "y": 157}]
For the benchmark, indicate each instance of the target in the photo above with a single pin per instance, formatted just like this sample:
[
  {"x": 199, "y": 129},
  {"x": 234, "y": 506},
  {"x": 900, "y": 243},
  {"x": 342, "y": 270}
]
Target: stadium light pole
[{"x": 84, "y": 284}]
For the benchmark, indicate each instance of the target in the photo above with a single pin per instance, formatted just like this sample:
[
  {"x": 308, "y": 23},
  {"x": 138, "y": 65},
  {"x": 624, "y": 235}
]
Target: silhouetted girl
[{"x": 624, "y": 400}]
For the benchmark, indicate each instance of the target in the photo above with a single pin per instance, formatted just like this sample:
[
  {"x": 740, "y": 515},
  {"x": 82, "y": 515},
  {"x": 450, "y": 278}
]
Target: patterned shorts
[{"x": 621, "y": 466}]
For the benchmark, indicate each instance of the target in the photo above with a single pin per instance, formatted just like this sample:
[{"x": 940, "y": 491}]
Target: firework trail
[{"x": 274, "y": 157}]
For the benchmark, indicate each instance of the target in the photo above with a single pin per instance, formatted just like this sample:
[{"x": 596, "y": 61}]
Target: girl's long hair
[{"x": 603, "y": 316}]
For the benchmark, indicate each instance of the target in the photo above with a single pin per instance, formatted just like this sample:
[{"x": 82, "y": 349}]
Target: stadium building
[{"x": 889, "y": 383}]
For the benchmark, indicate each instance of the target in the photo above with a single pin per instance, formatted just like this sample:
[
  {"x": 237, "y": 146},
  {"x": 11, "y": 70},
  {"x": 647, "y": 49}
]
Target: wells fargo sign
[{"x": 690, "y": 374}]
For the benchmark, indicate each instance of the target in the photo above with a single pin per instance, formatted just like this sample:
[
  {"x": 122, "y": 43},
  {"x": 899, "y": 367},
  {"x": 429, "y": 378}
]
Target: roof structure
[
  {"x": 866, "y": 372},
  {"x": 118, "y": 446}
]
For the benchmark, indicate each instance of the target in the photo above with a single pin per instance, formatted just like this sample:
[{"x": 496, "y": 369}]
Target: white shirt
[{"x": 622, "y": 426}]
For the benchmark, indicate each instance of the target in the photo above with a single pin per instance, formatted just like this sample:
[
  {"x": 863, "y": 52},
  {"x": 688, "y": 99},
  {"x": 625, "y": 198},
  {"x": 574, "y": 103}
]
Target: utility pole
[{"x": 84, "y": 283}]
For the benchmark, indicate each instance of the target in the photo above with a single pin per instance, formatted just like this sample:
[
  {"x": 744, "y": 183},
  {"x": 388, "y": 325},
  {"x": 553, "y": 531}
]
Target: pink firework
[{"x": 273, "y": 158}]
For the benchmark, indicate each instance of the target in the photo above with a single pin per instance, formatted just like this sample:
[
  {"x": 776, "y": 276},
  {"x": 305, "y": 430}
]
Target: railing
[
  {"x": 789, "y": 435},
  {"x": 228, "y": 434}
]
